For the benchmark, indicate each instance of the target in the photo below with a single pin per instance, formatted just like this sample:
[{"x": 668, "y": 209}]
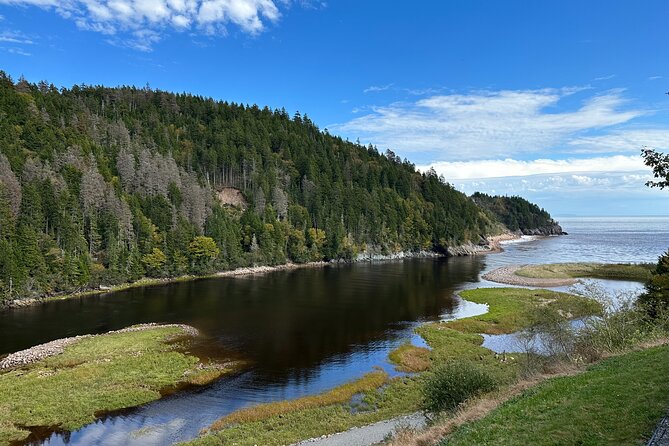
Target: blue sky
[{"x": 549, "y": 100}]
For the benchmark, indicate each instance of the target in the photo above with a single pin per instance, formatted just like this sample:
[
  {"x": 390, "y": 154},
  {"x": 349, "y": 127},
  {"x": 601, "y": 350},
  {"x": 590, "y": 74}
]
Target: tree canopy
[{"x": 104, "y": 185}]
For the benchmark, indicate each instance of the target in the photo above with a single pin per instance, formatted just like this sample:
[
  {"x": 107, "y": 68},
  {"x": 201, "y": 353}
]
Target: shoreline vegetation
[
  {"x": 565, "y": 274},
  {"x": 493, "y": 244},
  {"x": 377, "y": 397},
  {"x": 291, "y": 421},
  {"x": 169, "y": 185},
  {"x": 585, "y": 408},
  {"x": 71, "y": 382}
]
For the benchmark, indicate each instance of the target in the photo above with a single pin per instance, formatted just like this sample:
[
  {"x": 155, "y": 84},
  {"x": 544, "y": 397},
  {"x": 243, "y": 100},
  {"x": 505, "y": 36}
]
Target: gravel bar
[
  {"x": 42, "y": 351},
  {"x": 507, "y": 275}
]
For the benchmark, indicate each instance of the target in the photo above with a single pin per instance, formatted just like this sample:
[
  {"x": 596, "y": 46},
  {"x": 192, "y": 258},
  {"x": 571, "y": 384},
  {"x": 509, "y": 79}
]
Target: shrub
[
  {"x": 622, "y": 325},
  {"x": 656, "y": 298},
  {"x": 452, "y": 384}
]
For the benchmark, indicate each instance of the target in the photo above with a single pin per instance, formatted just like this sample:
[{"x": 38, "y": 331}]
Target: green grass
[
  {"x": 291, "y": 421},
  {"x": 615, "y": 402},
  {"x": 94, "y": 375},
  {"x": 399, "y": 396},
  {"x": 619, "y": 271},
  {"x": 509, "y": 308},
  {"x": 410, "y": 359},
  {"x": 341, "y": 394}
]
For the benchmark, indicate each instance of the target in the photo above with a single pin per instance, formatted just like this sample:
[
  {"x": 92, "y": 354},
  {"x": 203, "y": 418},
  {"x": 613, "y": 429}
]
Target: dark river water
[{"x": 306, "y": 330}]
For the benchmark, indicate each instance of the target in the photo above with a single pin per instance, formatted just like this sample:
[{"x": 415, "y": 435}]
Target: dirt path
[
  {"x": 368, "y": 435},
  {"x": 661, "y": 435},
  {"x": 507, "y": 275}
]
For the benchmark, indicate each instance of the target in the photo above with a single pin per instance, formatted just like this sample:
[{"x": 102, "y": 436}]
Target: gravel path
[
  {"x": 367, "y": 435},
  {"x": 507, "y": 275},
  {"x": 42, "y": 351},
  {"x": 661, "y": 435}
]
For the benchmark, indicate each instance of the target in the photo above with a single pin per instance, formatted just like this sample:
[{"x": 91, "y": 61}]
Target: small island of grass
[
  {"x": 95, "y": 374},
  {"x": 613, "y": 271},
  {"x": 564, "y": 274}
]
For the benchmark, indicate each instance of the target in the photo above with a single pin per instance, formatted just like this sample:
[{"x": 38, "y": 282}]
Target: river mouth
[{"x": 300, "y": 332}]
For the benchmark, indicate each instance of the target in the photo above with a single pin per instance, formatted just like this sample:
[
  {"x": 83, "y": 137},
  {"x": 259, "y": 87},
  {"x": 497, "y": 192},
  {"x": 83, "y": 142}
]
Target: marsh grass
[
  {"x": 95, "y": 375},
  {"x": 397, "y": 397},
  {"x": 618, "y": 271},
  {"x": 291, "y": 421},
  {"x": 410, "y": 358},
  {"x": 510, "y": 309},
  {"x": 340, "y": 394}
]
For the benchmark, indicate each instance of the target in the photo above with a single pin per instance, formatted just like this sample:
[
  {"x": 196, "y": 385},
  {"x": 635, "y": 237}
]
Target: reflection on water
[
  {"x": 615, "y": 290},
  {"x": 303, "y": 331}
]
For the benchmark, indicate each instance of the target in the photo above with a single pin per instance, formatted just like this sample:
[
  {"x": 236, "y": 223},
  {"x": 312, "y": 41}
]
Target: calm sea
[{"x": 593, "y": 239}]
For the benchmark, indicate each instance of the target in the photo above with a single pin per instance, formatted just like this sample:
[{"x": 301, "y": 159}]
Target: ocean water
[{"x": 593, "y": 239}]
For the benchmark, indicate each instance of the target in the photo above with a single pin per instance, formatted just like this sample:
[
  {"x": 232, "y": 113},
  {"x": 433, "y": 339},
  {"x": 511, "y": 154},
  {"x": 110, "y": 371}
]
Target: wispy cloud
[
  {"x": 377, "y": 88},
  {"x": 621, "y": 141},
  {"x": 465, "y": 170},
  {"x": 587, "y": 193},
  {"x": 15, "y": 37},
  {"x": 605, "y": 78},
  {"x": 654, "y": 78},
  {"x": 14, "y": 42},
  {"x": 424, "y": 91},
  {"x": 18, "y": 51},
  {"x": 485, "y": 124},
  {"x": 143, "y": 22}
]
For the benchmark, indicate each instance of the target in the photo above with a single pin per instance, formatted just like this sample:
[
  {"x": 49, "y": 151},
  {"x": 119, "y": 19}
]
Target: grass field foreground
[{"x": 616, "y": 401}]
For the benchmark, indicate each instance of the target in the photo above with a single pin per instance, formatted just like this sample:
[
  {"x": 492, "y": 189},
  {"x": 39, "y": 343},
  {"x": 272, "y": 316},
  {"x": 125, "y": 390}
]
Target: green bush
[
  {"x": 656, "y": 298},
  {"x": 452, "y": 384}
]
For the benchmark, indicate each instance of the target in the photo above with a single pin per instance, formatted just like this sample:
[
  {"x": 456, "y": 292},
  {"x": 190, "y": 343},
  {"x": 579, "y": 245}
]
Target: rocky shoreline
[
  {"x": 554, "y": 229},
  {"x": 42, "y": 351},
  {"x": 507, "y": 275},
  {"x": 488, "y": 245}
]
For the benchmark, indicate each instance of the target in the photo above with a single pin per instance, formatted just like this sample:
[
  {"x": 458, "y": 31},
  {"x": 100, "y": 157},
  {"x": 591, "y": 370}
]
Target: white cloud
[
  {"x": 466, "y": 170},
  {"x": 488, "y": 123},
  {"x": 377, "y": 88},
  {"x": 654, "y": 78},
  {"x": 18, "y": 51},
  {"x": 132, "y": 20},
  {"x": 15, "y": 38},
  {"x": 605, "y": 78},
  {"x": 622, "y": 141},
  {"x": 13, "y": 42}
]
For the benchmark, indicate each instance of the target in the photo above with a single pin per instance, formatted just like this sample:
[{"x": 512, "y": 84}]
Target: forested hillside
[
  {"x": 518, "y": 214},
  {"x": 106, "y": 185}
]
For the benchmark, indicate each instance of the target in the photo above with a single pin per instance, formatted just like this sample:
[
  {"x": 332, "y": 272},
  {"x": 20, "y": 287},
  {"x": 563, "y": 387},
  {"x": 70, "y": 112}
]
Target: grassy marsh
[
  {"x": 95, "y": 375},
  {"x": 290, "y": 421},
  {"x": 618, "y": 271}
]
